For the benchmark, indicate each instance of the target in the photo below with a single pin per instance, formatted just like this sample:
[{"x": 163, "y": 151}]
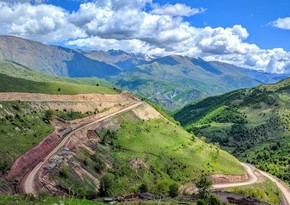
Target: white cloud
[
  {"x": 282, "y": 23},
  {"x": 176, "y": 10},
  {"x": 42, "y": 22},
  {"x": 139, "y": 26}
]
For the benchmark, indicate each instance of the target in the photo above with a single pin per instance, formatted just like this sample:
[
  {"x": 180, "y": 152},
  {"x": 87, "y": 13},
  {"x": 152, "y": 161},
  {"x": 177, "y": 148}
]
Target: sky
[{"x": 246, "y": 33}]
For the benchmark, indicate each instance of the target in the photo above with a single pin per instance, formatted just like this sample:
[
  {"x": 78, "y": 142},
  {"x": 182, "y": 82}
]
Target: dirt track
[
  {"x": 28, "y": 182},
  {"x": 253, "y": 179},
  {"x": 38, "y": 97}
]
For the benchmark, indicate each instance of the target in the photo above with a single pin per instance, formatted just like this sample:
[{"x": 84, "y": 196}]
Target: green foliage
[
  {"x": 63, "y": 172},
  {"x": 20, "y": 79},
  {"x": 21, "y": 85},
  {"x": 20, "y": 130},
  {"x": 143, "y": 188},
  {"x": 252, "y": 124},
  {"x": 71, "y": 115},
  {"x": 213, "y": 200},
  {"x": 49, "y": 115},
  {"x": 203, "y": 185},
  {"x": 43, "y": 200},
  {"x": 265, "y": 191},
  {"x": 105, "y": 185},
  {"x": 209, "y": 200},
  {"x": 162, "y": 187},
  {"x": 173, "y": 190}
]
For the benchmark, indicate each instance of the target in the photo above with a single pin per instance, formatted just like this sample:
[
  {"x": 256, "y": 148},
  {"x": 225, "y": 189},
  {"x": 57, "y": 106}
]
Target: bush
[
  {"x": 64, "y": 172},
  {"x": 106, "y": 185},
  {"x": 201, "y": 202},
  {"x": 162, "y": 187},
  {"x": 203, "y": 185},
  {"x": 213, "y": 200},
  {"x": 143, "y": 188},
  {"x": 173, "y": 190}
]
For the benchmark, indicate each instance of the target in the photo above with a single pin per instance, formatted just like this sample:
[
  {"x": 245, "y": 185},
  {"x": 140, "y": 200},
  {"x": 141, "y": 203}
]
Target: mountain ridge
[
  {"x": 252, "y": 124},
  {"x": 170, "y": 81}
]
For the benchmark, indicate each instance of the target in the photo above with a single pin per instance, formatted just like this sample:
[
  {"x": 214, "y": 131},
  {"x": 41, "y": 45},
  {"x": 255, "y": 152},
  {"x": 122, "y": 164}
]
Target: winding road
[
  {"x": 28, "y": 184},
  {"x": 253, "y": 179}
]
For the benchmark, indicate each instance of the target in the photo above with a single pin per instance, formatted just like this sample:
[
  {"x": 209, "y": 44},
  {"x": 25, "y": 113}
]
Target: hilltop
[
  {"x": 252, "y": 124},
  {"x": 170, "y": 81}
]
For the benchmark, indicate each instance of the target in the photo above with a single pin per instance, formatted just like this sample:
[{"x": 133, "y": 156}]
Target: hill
[
  {"x": 131, "y": 148},
  {"x": 53, "y": 60},
  {"x": 170, "y": 81},
  {"x": 17, "y": 78},
  {"x": 253, "y": 124}
]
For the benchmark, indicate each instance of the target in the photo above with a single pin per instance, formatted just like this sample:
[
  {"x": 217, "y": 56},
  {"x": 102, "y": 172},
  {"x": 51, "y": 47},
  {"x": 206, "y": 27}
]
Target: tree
[
  {"x": 106, "y": 185},
  {"x": 49, "y": 115},
  {"x": 143, "y": 188},
  {"x": 173, "y": 190},
  {"x": 213, "y": 200},
  {"x": 203, "y": 185}
]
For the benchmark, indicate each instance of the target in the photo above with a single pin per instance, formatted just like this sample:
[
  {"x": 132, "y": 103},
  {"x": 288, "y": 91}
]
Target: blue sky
[
  {"x": 255, "y": 16},
  {"x": 246, "y": 33}
]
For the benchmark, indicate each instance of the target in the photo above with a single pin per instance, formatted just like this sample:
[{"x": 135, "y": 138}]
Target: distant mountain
[
  {"x": 174, "y": 81},
  {"x": 253, "y": 124},
  {"x": 52, "y": 60},
  {"x": 170, "y": 81}
]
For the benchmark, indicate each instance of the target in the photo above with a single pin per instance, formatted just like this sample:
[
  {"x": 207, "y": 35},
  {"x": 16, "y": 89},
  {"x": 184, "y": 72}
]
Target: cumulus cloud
[
  {"x": 139, "y": 26},
  {"x": 42, "y": 22},
  {"x": 176, "y": 10},
  {"x": 282, "y": 23}
]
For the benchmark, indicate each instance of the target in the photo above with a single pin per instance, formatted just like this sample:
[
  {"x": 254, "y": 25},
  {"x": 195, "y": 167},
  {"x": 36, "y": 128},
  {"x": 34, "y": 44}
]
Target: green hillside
[
  {"x": 20, "y": 79},
  {"x": 253, "y": 124},
  {"x": 156, "y": 153}
]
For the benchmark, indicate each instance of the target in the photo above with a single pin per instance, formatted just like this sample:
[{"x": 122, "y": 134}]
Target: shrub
[
  {"x": 64, "y": 172},
  {"x": 173, "y": 190},
  {"x": 106, "y": 185},
  {"x": 143, "y": 188}
]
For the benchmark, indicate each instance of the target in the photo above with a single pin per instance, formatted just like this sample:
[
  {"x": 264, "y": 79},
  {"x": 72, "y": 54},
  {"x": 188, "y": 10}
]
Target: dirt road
[
  {"x": 284, "y": 189},
  {"x": 28, "y": 185},
  {"x": 251, "y": 180}
]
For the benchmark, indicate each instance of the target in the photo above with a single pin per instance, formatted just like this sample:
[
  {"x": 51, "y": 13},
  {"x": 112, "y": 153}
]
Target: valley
[
  {"x": 85, "y": 138},
  {"x": 170, "y": 81},
  {"x": 251, "y": 123}
]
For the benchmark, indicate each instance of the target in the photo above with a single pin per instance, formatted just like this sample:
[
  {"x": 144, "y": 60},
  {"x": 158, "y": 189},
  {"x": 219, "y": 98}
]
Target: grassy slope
[
  {"x": 252, "y": 123},
  {"x": 21, "y": 125},
  {"x": 265, "y": 191},
  {"x": 17, "y": 78},
  {"x": 21, "y": 128},
  {"x": 170, "y": 153},
  {"x": 25, "y": 200}
]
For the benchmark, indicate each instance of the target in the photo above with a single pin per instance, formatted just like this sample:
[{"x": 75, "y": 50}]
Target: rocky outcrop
[
  {"x": 222, "y": 178},
  {"x": 30, "y": 159}
]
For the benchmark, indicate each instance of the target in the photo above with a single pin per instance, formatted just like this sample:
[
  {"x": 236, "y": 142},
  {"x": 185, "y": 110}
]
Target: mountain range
[{"x": 170, "y": 81}]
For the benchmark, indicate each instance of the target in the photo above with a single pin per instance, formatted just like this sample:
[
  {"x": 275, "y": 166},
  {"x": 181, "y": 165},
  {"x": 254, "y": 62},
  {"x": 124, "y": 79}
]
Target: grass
[
  {"x": 17, "y": 71},
  {"x": 266, "y": 191},
  {"x": 71, "y": 115},
  {"x": 21, "y": 85},
  {"x": 19, "y": 79},
  {"x": 170, "y": 155},
  {"x": 28, "y": 200},
  {"x": 22, "y": 127},
  {"x": 167, "y": 154}
]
